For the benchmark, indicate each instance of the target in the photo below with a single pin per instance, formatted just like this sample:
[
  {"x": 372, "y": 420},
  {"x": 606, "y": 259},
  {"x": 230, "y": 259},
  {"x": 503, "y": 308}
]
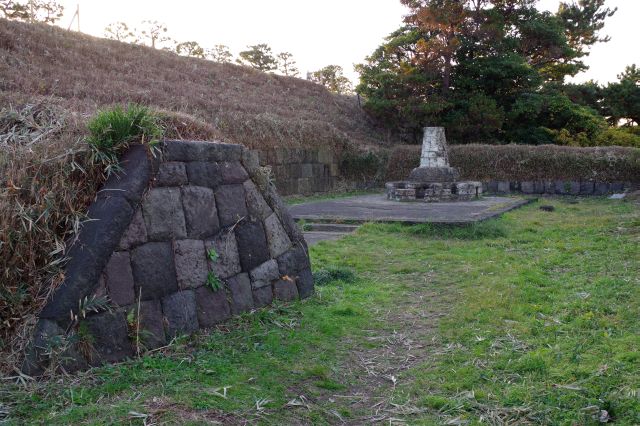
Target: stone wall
[
  {"x": 302, "y": 171},
  {"x": 557, "y": 187},
  {"x": 175, "y": 243}
]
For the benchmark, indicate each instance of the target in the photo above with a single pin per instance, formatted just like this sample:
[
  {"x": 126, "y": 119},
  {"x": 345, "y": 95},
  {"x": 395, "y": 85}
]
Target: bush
[
  {"x": 364, "y": 166},
  {"x": 326, "y": 275},
  {"x": 623, "y": 136},
  {"x": 113, "y": 130}
]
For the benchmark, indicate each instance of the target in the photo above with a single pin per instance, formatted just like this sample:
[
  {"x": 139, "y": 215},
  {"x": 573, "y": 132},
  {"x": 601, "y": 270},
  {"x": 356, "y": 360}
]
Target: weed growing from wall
[{"x": 113, "y": 130}]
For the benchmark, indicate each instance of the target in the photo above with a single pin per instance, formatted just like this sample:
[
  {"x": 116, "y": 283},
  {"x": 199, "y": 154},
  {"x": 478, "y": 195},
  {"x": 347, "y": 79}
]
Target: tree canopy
[
  {"x": 258, "y": 56},
  {"x": 489, "y": 70},
  {"x": 332, "y": 77}
]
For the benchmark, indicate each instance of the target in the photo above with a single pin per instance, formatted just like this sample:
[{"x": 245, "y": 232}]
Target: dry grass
[
  {"x": 45, "y": 187},
  {"x": 250, "y": 107}
]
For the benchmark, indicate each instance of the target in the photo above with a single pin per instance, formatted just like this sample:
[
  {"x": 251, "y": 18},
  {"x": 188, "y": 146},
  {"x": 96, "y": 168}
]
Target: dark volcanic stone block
[
  {"x": 277, "y": 237},
  {"x": 172, "y": 173},
  {"x": 285, "y": 289},
  {"x": 601, "y": 188},
  {"x": 191, "y": 263},
  {"x": 549, "y": 187},
  {"x": 134, "y": 178},
  {"x": 110, "y": 336},
  {"x": 230, "y": 201},
  {"x": 153, "y": 270},
  {"x": 151, "y": 325},
  {"x": 119, "y": 279},
  {"x": 135, "y": 234},
  {"x": 242, "y": 299},
  {"x": 227, "y": 262},
  {"x": 574, "y": 188},
  {"x": 278, "y": 206},
  {"x": 264, "y": 274},
  {"x": 527, "y": 187},
  {"x": 37, "y": 359},
  {"x": 233, "y": 173},
  {"x": 262, "y": 296},
  {"x": 586, "y": 188},
  {"x": 562, "y": 187},
  {"x": 293, "y": 261},
  {"x": 616, "y": 187},
  {"x": 184, "y": 150},
  {"x": 538, "y": 187},
  {"x": 204, "y": 173},
  {"x": 252, "y": 244},
  {"x": 250, "y": 161},
  {"x": 163, "y": 215},
  {"x": 256, "y": 205},
  {"x": 212, "y": 306},
  {"x": 304, "y": 281},
  {"x": 89, "y": 255},
  {"x": 201, "y": 151},
  {"x": 504, "y": 187},
  {"x": 200, "y": 210},
  {"x": 180, "y": 313}
]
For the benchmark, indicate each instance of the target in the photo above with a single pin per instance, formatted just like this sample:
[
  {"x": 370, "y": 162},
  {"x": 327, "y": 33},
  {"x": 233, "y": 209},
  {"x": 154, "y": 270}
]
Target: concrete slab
[
  {"x": 376, "y": 208},
  {"x": 314, "y": 237}
]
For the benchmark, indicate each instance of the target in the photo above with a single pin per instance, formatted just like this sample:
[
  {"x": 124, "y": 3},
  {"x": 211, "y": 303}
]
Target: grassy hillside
[{"x": 82, "y": 73}]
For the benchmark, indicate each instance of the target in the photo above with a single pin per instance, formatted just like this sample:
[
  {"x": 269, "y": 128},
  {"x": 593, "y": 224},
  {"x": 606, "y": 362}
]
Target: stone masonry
[
  {"x": 434, "y": 180},
  {"x": 181, "y": 242}
]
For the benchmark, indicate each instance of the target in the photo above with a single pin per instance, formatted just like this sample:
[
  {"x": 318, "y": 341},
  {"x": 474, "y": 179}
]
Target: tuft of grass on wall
[{"x": 112, "y": 130}]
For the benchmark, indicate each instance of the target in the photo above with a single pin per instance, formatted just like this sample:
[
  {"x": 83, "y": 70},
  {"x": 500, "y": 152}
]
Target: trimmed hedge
[{"x": 527, "y": 162}]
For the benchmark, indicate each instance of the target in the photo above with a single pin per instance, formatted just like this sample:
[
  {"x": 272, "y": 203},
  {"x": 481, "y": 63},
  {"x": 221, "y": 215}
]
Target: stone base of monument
[
  {"x": 433, "y": 191},
  {"x": 434, "y": 180}
]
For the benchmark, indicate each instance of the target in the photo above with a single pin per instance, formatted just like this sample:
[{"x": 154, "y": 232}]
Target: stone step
[{"x": 330, "y": 227}]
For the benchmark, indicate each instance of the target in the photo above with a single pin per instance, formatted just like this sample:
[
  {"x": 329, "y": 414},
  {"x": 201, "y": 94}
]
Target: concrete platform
[{"x": 376, "y": 208}]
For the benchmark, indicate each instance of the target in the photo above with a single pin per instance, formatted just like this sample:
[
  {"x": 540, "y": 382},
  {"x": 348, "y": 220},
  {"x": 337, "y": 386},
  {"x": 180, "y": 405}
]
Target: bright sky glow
[{"x": 318, "y": 33}]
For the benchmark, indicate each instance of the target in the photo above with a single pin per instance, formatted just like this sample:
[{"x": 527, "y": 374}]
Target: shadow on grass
[{"x": 477, "y": 231}]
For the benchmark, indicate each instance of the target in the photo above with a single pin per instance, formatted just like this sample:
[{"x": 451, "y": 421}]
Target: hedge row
[{"x": 527, "y": 163}]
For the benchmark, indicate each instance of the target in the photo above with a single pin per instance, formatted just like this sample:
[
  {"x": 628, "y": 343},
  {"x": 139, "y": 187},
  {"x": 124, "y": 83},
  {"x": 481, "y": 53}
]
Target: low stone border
[
  {"x": 556, "y": 187},
  {"x": 175, "y": 243}
]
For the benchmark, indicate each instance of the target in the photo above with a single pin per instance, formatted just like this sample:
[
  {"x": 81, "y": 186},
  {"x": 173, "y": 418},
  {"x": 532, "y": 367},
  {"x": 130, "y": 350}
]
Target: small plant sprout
[
  {"x": 213, "y": 282},
  {"x": 212, "y": 255}
]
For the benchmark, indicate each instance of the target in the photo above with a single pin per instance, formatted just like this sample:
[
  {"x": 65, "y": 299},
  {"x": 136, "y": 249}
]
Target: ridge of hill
[{"x": 83, "y": 73}]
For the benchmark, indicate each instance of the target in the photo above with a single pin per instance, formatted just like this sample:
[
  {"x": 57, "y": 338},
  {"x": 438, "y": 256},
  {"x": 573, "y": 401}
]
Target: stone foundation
[
  {"x": 176, "y": 243},
  {"x": 433, "y": 191}
]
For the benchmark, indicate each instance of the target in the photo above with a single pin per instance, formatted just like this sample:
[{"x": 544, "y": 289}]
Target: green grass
[{"x": 532, "y": 318}]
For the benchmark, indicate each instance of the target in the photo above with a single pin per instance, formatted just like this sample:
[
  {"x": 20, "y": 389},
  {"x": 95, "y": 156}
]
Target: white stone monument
[{"x": 434, "y": 180}]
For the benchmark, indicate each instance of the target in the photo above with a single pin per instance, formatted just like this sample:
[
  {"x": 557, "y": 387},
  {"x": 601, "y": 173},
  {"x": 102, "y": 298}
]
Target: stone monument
[{"x": 434, "y": 180}]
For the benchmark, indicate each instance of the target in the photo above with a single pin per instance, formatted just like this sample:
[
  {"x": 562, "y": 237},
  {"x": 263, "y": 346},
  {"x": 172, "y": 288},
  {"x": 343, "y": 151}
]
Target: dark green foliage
[
  {"x": 113, "y": 130},
  {"x": 324, "y": 276},
  {"x": 489, "y": 71},
  {"x": 622, "y": 99},
  {"x": 364, "y": 166},
  {"x": 259, "y": 57}
]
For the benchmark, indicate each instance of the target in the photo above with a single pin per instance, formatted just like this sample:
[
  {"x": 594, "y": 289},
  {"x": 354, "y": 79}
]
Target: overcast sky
[{"x": 320, "y": 33}]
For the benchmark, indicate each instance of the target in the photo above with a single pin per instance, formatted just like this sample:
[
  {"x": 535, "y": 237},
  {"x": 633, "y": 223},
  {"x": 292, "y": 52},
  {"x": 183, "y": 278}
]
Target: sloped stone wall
[
  {"x": 302, "y": 171},
  {"x": 177, "y": 243}
]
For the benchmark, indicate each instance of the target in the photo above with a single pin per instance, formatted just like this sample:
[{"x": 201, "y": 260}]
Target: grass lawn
[{"x": 531, "y": 318}]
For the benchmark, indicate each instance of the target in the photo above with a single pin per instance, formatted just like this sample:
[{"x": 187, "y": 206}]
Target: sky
[{"x": 319, "y": 33}]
